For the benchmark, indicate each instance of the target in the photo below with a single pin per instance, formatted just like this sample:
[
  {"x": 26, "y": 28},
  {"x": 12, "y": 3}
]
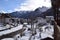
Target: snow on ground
[
  {"x": 24, "y": 38},
  {"x": 27, "y": 35},
  {"x": 28, "y": 26},
  {"x": 8, "y": 39},
  {"x": 48, "y": 33},
  {"x": 11, "y": 30},
  {"x": 44, "y": 34},
  {"x": 5, "y": 27}
]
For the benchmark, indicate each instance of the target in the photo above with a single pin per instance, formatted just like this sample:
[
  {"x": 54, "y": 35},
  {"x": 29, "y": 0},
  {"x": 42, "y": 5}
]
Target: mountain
[
  {"x": 41, "y": 9},
  {"x": 21, "y": 14},
  {"x": 39, "y": 12},
  {"x": 49, "y": 12}
]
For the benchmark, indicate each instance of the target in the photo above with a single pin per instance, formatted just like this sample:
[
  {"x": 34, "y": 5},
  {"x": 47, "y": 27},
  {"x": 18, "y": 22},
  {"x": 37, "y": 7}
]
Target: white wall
[{"x": 7, "y": 20}]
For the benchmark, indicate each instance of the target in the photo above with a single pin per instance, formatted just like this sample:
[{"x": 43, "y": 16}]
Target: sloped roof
[{"x": 6, "y": 15}]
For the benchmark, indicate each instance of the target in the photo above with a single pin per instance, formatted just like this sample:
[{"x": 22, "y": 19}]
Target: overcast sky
[{"x": 21, "y": 5}]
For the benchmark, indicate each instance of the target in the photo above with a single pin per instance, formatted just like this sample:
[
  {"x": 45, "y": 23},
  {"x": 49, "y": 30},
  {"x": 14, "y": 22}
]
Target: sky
[{"x": 7, "y": 6}]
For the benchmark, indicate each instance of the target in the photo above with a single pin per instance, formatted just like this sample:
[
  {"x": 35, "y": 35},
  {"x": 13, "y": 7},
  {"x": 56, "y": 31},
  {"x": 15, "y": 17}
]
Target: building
[
  {"x": 41, "y": 21},
  {"x": 9, "y": 27},
  {"x": 50, "y": 18}
]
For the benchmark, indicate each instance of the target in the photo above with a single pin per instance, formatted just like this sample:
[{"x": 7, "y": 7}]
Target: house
[
  {"x": 10, "y": 28},
  {"x": 49, "y": 17},
  {"x": 41, "y": 20},
  {"x": 3, "y": 18}
]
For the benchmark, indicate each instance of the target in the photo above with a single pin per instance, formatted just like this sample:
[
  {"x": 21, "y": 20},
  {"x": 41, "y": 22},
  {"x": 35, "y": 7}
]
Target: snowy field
[
  {"x": 28, "y": 33},
  {"x": 44, "y": 34}
]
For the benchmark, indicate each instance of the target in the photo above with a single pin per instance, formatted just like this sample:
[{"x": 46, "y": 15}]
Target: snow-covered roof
[
  {"x": 11, "y": 30},
  {"x": 8, "y": 39}
]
